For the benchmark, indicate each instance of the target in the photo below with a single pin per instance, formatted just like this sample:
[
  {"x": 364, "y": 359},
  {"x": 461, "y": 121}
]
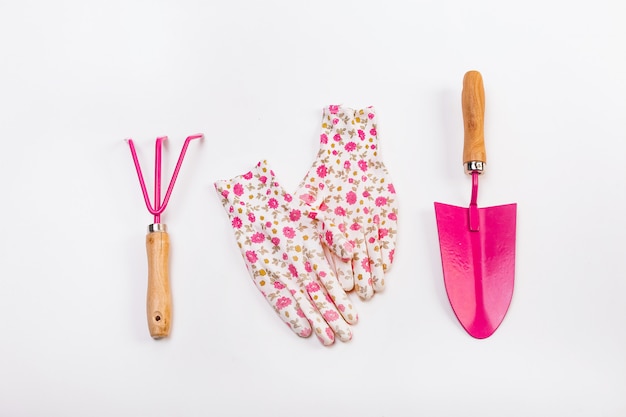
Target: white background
[{"x": 76, "y": 78}]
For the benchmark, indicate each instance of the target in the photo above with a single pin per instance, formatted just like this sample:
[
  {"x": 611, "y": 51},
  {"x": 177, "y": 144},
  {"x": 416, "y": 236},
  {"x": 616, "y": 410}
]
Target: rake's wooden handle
[
  {"x": 159, "y": 300},
  {"x": 473, "y": 103}
]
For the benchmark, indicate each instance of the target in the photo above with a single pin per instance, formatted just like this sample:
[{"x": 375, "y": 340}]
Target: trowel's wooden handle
[
  {"x": 473, "y": 102},
  {"x": 159, "y": 301}
]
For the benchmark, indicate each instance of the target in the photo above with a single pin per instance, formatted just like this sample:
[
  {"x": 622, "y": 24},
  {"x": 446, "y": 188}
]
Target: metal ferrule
[
  {"x": 157, "y": 227},
  {"x": 474, "y": 166}
]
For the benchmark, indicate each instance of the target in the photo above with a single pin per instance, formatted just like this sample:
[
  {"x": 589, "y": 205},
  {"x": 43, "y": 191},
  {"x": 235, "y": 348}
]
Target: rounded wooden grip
[
  {"x": 473, "y": 102},
  {"x": 159, "y": 300}
]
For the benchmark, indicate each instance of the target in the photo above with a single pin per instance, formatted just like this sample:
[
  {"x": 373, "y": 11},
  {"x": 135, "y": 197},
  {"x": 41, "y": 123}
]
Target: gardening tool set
[{"x": 306, "y": 250}]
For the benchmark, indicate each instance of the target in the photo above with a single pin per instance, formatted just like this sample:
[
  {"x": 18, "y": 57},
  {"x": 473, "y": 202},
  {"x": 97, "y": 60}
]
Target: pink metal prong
[
  {"x": 157, "y": 178},
  {"x": 159, "y": 206},
  {"x": 142, "y": 183},
  {"x": 183, "y": 151}
]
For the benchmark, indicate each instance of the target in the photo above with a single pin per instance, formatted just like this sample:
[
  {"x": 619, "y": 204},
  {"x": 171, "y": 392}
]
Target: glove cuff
[
  {"x": 345, "y": 129},
  {"x": 257, "y": 186}
]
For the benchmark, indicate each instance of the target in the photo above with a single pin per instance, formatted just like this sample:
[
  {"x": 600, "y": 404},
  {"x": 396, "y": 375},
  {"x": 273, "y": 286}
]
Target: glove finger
[
  {"x": 362, "y": 272},
  {"x": 387, "y": 229},
  {"x": 329, "y": 311},
  {"x": 314, "y": 312},
  {"x": 342, "y": 269},
  {"x": 331, "y": 300},
  {"x": 387, "y": 252},
  {"x": 340, "y": 300},
  {"x": 376, "y": 263},
  {"x": 336, "y": 294}
]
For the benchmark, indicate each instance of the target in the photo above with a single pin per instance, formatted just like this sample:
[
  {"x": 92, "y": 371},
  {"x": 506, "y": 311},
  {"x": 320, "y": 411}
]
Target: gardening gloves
[
  {"x": 336, "y": 233},
  {"x": 282, "y": 249},
  {"x": 349, "y": 186}
]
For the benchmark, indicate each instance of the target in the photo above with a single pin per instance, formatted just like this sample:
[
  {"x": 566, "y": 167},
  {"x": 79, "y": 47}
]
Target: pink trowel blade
[{"x": 478, "y": 263}]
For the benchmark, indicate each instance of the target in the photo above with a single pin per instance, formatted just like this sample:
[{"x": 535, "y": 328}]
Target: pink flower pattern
[
  {"x": 282, "y": 302},
  {"x": 329, "y": 237},
  {"x": 251, "y": 256},
  {"x": 236, "y": 222},
  {"x": 293, "y": 265},
  {"x": 307, "y": 198},
  {"x": 351, "y": 197},
  {"x": 289, "y": 232},
  {"x": 294, "y": 215},
  {"x": 257, "y": 237},
  {"x": 331, "y": 315},
  {"x": 365, "y": 264}
]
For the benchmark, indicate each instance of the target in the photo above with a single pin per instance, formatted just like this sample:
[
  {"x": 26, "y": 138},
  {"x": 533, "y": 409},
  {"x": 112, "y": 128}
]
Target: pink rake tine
[
  {"x": 157, "y": 176},
  {"x": 159, "y": 206}
]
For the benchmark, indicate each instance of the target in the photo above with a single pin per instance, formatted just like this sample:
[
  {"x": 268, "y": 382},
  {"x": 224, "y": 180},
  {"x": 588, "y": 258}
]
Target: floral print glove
[
  {"x": 351, "y": 187},
  {"x": 283, "y": 253}
]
